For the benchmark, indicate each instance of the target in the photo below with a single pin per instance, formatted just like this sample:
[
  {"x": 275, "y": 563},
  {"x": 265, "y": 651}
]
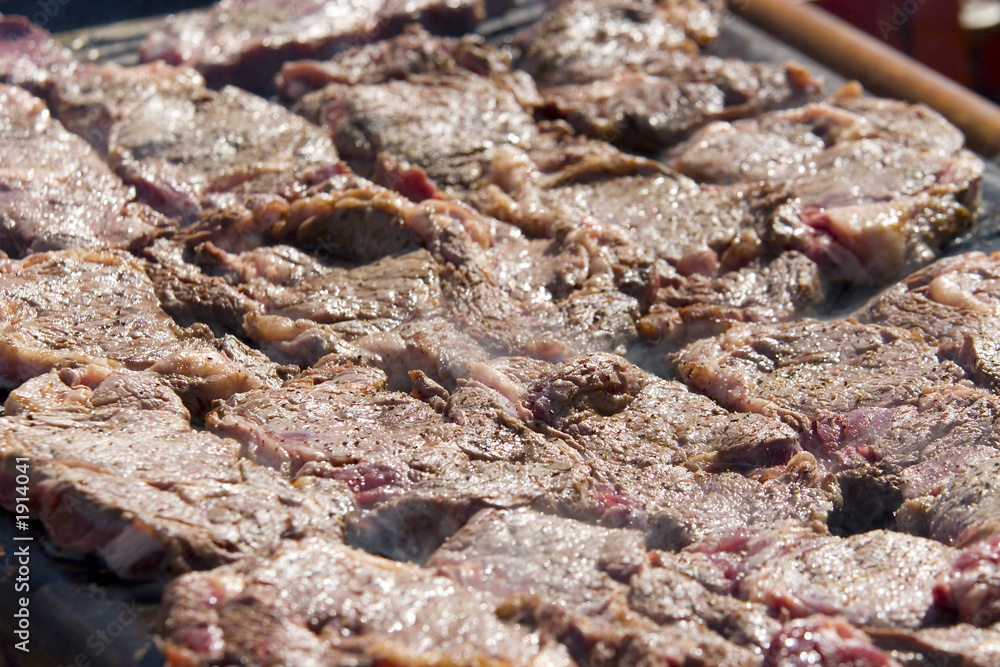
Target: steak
[
  {"x": 79, "y": 307},
  {"x": 611, "y": 410},
  {"x": 620, "y": 71},
  {"x": 28, "y": 54},
  {"x": 796, "y": 370},
  {"x": 824, "y": 640},
  {"x": 961, "y": 644},
  {"x": 918, "y": 188},
  {"x": 563, "y": 41},
  {"x": 572, "y": 581},
  {"x": 186, "y": 148},
  {"x": 317, "y": 602},
  {"x": 869, "y": 401},
  {"x": 687, "y": 308},
  {"x": 800, "y": 573},
  {"x": 118, "y": 471},
  {"x": 55, "y": 207},
  {"x": 963, "y": 512},
  {"x": 245, "y": 42},
  {"x": 953, "y": 302},
  {"x": 421, "y": 469},
  {"x": 369, "y": 119},
  {"x": 971, "y": 587}
]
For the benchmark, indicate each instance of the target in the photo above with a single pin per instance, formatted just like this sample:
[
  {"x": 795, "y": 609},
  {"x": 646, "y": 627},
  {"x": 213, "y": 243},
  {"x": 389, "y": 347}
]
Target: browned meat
[
  {"x": 877, "y": 186},
  {"x": 800, "y": 573},
  {"x": 686, "y": 308},
  {"x": 953, "y": 303},
  {"x": 620, "y": 71},
  {"x": 799, "y": 369},
  {"x": 245, "y": 42},
  {"x": 81, "y": 307},
  {"x": 449, "y": 134},
  {"x": 118, "y": 471},
  {"x": 971, "y": 587},
  {"x": 961, "y": 644},
  {"x": 28, "y": 54},
  {"x": 186, "y": 148},
  {"x": 963, "y": 512},
  {"x": 73, "y": 200},
  {"x": 572, "y": 581},
  {"x": 625, "y": 30},
  {"x": 420, "y": 470},
  {"x": 822, "y": 640},
  {"x": 870, "y": 401},
  {"x": 413, "y": 52},
  {"x": 317, "y": 602},
  {"x": 613, "y": 411}
]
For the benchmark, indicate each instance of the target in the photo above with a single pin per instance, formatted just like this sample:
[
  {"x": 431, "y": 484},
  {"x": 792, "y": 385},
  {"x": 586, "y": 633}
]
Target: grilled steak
[
  {"x": 961, "y": 644},
  {"x": 686, "y": 308},
  {"x": 877, "y": 186},
  {"x": 420, "y": 472},
  {"x": 619, "y": 71},
  {"x": 630, "y": 210},
  {"x": 870, "y": 401},
  {"x": 317, "y": 602},
  {"x": 80, "y": 307},
  {"x": 801, "y": 573},
  {"x": 245, "y": 42},
  {"x": 824, "y": 640},
  {"x": 971, "y": 587},
  {"x": 419, "y": 353},
  {"x": 186, "y": 148},
  {"x": 28, "y": 54},
  {"x": 953, "y": 302},
  {"x": 799, "y": 369},
  {"x": 118, "y": 471},
  {"x": 963, "y": 512},
  {"x": 55, "y": 207},
  {"x": 572, "y": 581}
]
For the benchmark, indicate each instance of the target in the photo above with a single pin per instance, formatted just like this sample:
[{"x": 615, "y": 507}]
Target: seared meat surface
[
  {"x": 477, "y": 355},
  {"x": 59, "y": 210},
  {"x": 118, "y": 471}
]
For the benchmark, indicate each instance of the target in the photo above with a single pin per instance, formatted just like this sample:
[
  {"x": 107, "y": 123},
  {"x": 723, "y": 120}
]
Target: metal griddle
[{"x": 83, "y": 615}]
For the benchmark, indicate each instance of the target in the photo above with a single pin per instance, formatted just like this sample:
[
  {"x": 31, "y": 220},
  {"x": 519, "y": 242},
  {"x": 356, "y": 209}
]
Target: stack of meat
[{"x": 478, "y": 356}]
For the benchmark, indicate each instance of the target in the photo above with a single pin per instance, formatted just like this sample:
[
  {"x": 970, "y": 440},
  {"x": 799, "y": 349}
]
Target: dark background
[{"x": 63, "y": 15}]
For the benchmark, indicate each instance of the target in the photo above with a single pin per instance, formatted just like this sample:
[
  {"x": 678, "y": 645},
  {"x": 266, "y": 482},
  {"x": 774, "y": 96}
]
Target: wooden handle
[{"x": 879, "y": 67}]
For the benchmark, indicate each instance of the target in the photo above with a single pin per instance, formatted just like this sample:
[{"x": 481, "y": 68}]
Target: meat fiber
[
  {"x": 870, "y": 401},
  {"x": 85, "y": 307},
  {"x": 245, "y": 42},
  {"x": 800, "y": 573},
  {"x": 963, "y": 512},
  {"x": 73, "y": 200},
  {"x": 421, "y": 469},
  {"x": 117, "y": 471},
  {"x": 186, "y": 148},
  {"x": 619, "y": 71},
  {"x": 572, "y": 581},
  {"x": 317, "y": 602},
  {"x": 877, "y": 186},
  {"x": 961, "y": 644},
  {"x": 954, "y": 304}
]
